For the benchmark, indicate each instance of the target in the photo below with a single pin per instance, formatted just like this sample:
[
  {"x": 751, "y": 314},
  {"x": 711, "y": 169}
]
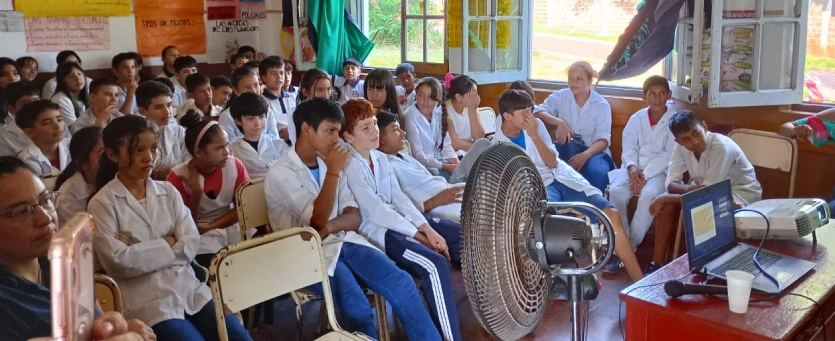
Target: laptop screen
[{"x": 708, "y": 222}]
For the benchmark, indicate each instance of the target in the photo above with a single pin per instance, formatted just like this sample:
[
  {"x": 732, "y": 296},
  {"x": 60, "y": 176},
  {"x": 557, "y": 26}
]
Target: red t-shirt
[
  {"x": 649, "y": 116},
  {"x": 211, "y": 183}
]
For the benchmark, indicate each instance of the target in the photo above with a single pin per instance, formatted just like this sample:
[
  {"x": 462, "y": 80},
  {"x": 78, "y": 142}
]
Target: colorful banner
[
  {"x": 160, "y": 23},
  {"x": 236, "y": 9},
  {"x": 74, "y": 8},
  {"x": 67, "y": 33},
  {"x": 224, "y": 37}
]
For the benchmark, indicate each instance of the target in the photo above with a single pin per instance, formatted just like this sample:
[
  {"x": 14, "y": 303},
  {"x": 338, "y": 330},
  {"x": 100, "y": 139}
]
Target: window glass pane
[
  {"x": 737, "y": 58},
  {"x": 435, "y": 33},
  {"x": 509, "y": 8},
  {"x": 414, "y": 40},
  {"x": 508, "y": 36},
  {"x": 480, "y": 7},
  {"x": 480, "y": 47},
  {"x": 819, "y": 66},
  {"x": 777, "y": 62},
  {"x": 567, "y": 31},
  {"x": 780, "y": 8},
  {"x": 435, "y": 7},
  {"x": 414, "y": 7},
  {"x": 740, "y": 9},
  {"x": 384, "y": 25}
]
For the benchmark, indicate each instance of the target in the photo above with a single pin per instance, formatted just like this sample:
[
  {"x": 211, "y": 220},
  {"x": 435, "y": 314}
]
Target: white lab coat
[
  {"x": 52, "y": 84},
  {"x": 179, "y": 96},
  {"x": 592, "y": 122},
  {"x": 648, "y": 148},
  {"x": 65, "y": 107},
  {"x": 381, "y": 202},
  {"x": 258, "y": 162},
  {"x": 210, "y": 209},
  {"x": 420, "y": 185},
  {"x": 156, "y": 279},
  {"x": 349, "y": 91},
  {"x": 87, "y": 119},
  {"x": 12, "y": 139},
  {"x": 722, "y": 159},
  {"x": 75, "y": 193},
  {"x": 290, "y": 191},
  {"x": 410, "y": 98},
  {"x": 172, "y": 146},
  {"x": 123, "y": 96},
  {"x": 282, "y": 109},
  {"x": 563, "y": 173},
  {"x": 231, "y": 128},
  {"x": 33, "y": 157},
  {"x": 425, "y": 139}
]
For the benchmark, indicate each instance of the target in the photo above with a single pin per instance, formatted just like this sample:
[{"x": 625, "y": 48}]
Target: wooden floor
[{"x": 555, "y": 325}]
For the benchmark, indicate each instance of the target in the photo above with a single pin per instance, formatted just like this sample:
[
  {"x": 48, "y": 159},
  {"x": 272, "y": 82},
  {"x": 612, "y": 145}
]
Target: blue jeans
[
  {"x": 451, "y": 231},
  {"x": 596, "y": 170},
  {"x": 557, "y": 191},
  {"x": 361, "y": 264},
  {"x": 200, "y": 326}
]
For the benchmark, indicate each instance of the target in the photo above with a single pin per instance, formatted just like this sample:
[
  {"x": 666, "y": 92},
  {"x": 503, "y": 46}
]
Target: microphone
[{"x": 676, "y": 289}]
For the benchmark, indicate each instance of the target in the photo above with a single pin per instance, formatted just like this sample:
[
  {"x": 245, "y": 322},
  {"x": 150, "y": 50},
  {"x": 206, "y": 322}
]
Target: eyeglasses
[{"x": 24, "y": 211}]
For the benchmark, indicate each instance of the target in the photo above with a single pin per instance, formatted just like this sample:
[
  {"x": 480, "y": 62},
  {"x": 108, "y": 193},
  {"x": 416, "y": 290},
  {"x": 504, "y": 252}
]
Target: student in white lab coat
[
  {"x": 427, "y": 130},
  {"x": 245, "y": 79},
  {"x": 315, "y": 83},
  {"x": 48, "y": 151},
  {"x": 256, "y": 150},
  {"x": 582, "y": 120},
  {"x": 16, "y": 95},
  {"x": 154, "y": 102},
  {"x": 169, "y": 54},
  {"x": 647, "y": 146},
  {"x": 406, "y": 96},
  {"x": 517, "y": 125},
  {"x": 71, "y": 93},
  {"x": 63, "y": 56},
  {"x": 393, "y": 223},
  {"x": 380, "y": 90},
  {"x": 461, "y": 108},
  {"x": 104, "y": 105},
  {"x": 146, "y": 239},
  {"x": 349, "y": 85},
  {"x": 199, "y": 91},
  {"x": 183, "y": 67},
  {"x": 306, "y": 187},
  {"x": 281, "y": 103},
  {"x": 77, "y": 182},
  {"x": 209, "y": 184},
  {"x": 126, "y": 67}
]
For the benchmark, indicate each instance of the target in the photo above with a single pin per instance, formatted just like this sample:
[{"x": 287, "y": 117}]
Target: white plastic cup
[{"x": 739, "y": 290}]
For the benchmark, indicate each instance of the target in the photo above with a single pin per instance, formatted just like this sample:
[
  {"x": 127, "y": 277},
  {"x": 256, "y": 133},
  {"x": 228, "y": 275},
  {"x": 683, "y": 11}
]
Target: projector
[{"x": 787, "y": 218}]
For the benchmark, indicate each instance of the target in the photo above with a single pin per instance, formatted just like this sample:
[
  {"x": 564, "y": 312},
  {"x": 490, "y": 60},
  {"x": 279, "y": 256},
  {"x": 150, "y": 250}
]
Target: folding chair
[
  {"x": 108, "y": 294},
  {"x": 241, "y": 278},
  {"x": 768, "y": 150},
  {"x": 487, "y": 116}
]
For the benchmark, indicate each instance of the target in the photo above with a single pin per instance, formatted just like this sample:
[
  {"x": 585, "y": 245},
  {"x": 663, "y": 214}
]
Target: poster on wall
[
  {"x": 67, "y": 33},
  {"x": 74, "y": 8},
  {"x": 11, "y": 22},
  {"x": 6, "y": 5},
  {"x": 236, "y": 9},
  {"x": 737, "y": 58},
  {"x": 160, "y": 23},
  {"x": 224, "y": 37}
]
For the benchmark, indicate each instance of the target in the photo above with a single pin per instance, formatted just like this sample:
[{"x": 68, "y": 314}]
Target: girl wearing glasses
[{"x": 146, "y": 239}]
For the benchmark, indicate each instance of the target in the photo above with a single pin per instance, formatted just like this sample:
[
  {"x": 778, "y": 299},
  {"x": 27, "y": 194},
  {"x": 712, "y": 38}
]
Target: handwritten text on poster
[
  {"x": 67, "y": 33},
  {"x": 160, "y": 23}
]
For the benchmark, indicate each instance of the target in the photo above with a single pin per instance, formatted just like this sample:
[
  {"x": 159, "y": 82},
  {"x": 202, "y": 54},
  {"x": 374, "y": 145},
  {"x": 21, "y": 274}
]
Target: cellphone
[{"x": 71, "y": 267}]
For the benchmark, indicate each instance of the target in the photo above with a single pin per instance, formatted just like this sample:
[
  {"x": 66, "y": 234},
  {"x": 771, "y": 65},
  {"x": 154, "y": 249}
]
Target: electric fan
[{"x": 514, "y": 242}]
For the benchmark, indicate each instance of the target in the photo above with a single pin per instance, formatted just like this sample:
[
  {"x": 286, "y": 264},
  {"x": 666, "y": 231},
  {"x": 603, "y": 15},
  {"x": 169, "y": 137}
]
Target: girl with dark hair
[
  {"x": 208, "y": 184},
  {"x": 77, "y": 182},
  {"x": 146, "y": 239},
  {"x": 427, "y": 130},
  {"x": 379, "y": 89},
  {"x": 62, "y": 57},
  {"x": 28, "y": 68},
  {"x": 71, "y": 94},
  {"x": 460, "y": 107},
  {"x": 315, "y": 83},
  {"x": 169, "y": 54},
  {"x": 9, "y": 73}
]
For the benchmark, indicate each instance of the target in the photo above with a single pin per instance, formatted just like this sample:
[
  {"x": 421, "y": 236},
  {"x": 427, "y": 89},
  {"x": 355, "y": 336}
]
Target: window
[
  {"x": 567, "y": 31},
  {"x": 404, "y": 30},
  {"x": 819, "y": 68}
]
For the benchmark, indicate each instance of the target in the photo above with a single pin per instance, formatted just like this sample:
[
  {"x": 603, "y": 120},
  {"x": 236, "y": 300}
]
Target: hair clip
[{"x": 448, "y": 80}]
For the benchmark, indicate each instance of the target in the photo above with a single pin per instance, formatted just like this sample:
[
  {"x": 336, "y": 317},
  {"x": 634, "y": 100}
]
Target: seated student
[
  {"x": 647, "y": 146},
  {"x": 183, "y": 66},
  {"x": 281, "y": 103},
  {"x": 405, "y": 74},
  {"x": 245, "y": 79},
  {"x": 71, "y": 94},
  {"x": 250, "y": 53},
  {"x": 16, "y": 95},
  {"x": 315, "y": 83},
  {"x": 582, "y": 120},
  {"x": 146, "y": 239},
  {"x": 209, "y": 184},
  {"x": 77, "y": 182},
  {"x": 461, "y": 107},
  {"x": 9, "y": 74},
  {"x": 288, "y": 79},
  {"x": 237, "y": 60},
  {"x": 141, "y": 75},
  {"x": 199, "y": 89},
  {"x": 221, "y": 90},
  {"x": 818, "y": 129},
  {"x": 708, "y": 158},
  {"x": 379, "y": 89},
  {"x": 126, "y": 71},
  {"x": 256, "y": 150},
  {"x": 28, "y": 225},
  {"x": 349, "y": 85},
  {"x": 562, "y": 183},
  {"x": 167, "y": 82},
  {"x": 393, "y": 223},
  {"x": 154, "y": 101},
  {"x": 524, "y": 86},
  {"x": 169, "y": 54},
  {"x": 104, "y": 105},
  {"x": 427, "y": 130},
  {"x": 305, "y": 187},
  {"x": 47, "y": 151},
  {"x": 64, "y": 56},
  {"x": 28, "y": 68}
]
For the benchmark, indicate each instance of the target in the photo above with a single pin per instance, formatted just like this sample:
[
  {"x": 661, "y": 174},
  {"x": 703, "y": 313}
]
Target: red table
[{"x": 652, "y": 315}]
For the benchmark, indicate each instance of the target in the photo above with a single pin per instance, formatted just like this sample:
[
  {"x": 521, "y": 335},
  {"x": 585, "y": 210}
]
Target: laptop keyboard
[{"x": 745, "y": 261}]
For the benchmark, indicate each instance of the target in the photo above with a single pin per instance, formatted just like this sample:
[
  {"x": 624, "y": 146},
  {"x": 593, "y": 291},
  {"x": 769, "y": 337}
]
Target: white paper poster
[
  {"x": 224, "y": 37},
  {"x": 6, "y": 5},
  {"x": 11, "y": 22}
]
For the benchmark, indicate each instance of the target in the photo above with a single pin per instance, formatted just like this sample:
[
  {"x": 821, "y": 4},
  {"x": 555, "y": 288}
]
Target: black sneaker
[
  {"x": 559, "y": 289},
  {"x": 652, "y": 267},
  {"x": 614, "y": 265}
]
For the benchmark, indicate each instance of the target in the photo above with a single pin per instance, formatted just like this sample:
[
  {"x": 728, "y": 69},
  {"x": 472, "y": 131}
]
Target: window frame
[{"x": 405, "y": 17}]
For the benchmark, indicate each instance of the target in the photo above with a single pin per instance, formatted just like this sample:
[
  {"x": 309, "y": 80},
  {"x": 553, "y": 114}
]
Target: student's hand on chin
[{"x": 336, "y": 158}]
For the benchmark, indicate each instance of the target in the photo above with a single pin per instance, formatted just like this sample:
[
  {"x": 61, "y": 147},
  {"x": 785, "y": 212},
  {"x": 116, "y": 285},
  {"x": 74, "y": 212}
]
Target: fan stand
[{"x": 579, "y": 288}]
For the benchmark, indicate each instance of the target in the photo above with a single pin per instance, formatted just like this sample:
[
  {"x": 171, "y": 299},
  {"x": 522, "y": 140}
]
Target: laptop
[{"x": 710, "y": 230}]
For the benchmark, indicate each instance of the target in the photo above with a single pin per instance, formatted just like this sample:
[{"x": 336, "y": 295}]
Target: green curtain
[{"x": 338, "y": 38}]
